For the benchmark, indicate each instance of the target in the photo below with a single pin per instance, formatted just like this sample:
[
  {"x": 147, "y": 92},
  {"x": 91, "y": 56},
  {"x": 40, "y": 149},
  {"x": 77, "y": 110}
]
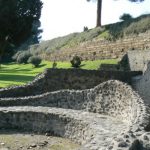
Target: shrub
[
  {"x": 54, "y": 64},
  {"x": 85, "y": 28},
  {"x": 76, "y": 61},
  {"x": 35, "y": 61},
  {"x": 15, "y": 56},
  {"x": 125, "y": 17},
  {"x": 23, "y": 58},
  {"x": 139, "y": 26}
]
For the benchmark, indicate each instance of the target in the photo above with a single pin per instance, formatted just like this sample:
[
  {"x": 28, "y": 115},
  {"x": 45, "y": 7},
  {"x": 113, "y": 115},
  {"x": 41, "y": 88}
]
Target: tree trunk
[
  {"x": 3, "y": 46},
  {"x": 99, "y": 13}
]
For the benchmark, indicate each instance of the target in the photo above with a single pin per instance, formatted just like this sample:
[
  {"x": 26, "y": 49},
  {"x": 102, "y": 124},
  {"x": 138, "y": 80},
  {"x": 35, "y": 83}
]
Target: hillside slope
[
  {"x": 108, "y": 32},
  {"x": 108, "y": 42}
]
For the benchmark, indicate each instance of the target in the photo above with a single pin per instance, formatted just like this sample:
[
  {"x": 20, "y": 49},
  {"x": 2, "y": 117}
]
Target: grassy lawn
[{"x": 18, "y": 74}]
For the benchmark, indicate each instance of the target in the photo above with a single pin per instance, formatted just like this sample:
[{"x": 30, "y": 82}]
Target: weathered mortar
[
  {"x": 111, "y": 98},
  {"x": 43, "y": 120},
  {"x": 108, "y": 116},
  {"x": 102, "y": 49},
  {"x": 57, "y": 79},
  {"x": 138, "y": 59}
]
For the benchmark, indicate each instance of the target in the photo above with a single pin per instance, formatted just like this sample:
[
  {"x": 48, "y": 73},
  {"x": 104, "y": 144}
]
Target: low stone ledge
[
  {"x": 92, "y": 131},
  {"x": 77, "y": 79},
  {"x": 112, "y": 99},
  {"x": 88, "y": 129}
]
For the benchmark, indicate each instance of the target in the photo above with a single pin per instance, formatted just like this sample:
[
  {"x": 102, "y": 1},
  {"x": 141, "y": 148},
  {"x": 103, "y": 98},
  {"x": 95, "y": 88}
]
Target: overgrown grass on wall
[
  {"x": 18, "y": 74},
  {"x": 108, "y": 32}
]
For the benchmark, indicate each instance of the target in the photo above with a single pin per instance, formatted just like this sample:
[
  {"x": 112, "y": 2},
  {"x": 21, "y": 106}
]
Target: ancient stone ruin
[
  {"x": 109, "y": 116},
  {"x": 101, "y": 48}
]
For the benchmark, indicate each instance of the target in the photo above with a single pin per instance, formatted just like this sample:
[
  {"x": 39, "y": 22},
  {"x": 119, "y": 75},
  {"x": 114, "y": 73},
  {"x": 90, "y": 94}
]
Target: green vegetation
[
  {"x": 18, "y": 74},
  {"x": 67, "y": 41},
  {"x": 35, "y": 61},
  {"x": 107, "y": 32},
  {"x": 125, "y": 17},
  {"x": 129, "y": 27},
  {"x": 23, "y": 57},
  {"x": 19, "y": 23},
  {"x": 76, "y": 62}
]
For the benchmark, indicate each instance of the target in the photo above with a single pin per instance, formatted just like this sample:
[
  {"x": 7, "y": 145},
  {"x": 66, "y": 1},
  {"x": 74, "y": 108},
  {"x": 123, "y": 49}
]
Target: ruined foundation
[{"x": 109, "y": 116}]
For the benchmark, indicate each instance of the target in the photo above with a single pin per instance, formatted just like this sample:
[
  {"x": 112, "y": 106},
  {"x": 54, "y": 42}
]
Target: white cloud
[{"x": 67, "y": 16}]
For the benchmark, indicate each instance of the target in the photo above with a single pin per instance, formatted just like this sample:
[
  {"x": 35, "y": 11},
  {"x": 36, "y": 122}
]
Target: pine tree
[{"x": 99, "y": 10}]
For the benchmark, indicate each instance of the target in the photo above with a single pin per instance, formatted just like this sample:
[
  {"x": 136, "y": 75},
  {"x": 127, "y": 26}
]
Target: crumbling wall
[
  {"x": 78, "y": 115},
  {"x": 58, "y": 79},
  {"x": 138, "y": 59},
  {"x": 102, "y": 49}
]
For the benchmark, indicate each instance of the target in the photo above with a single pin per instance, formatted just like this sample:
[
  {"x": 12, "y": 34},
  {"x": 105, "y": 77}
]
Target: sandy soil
[{"x": 23, "y": 141}]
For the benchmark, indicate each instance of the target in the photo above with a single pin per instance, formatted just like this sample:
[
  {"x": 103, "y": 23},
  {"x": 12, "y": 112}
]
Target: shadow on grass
[
  {"x": 16, "y": 78},
  {"x": 19, "y": 70},
  {"x": 24, "y": 71},
  {"x": 42, "y": 65},
  {"x": 82, "y": 65}
]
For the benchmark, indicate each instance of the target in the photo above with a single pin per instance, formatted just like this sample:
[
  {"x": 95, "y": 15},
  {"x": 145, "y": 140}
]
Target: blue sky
[{"x": 61, "y": 17}]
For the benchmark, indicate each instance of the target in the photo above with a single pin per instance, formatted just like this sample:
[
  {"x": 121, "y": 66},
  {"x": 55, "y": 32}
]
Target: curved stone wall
[
  {"x": 41, "y": 120},
  {"x": 79, "y": 79},
  {"x": 85, "y": 116},
  {"x": 111, "y": 98},
  {"x": 85, "y": 129}
]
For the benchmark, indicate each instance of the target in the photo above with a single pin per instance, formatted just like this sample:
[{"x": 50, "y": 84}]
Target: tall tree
[
  {"x": 17, "y": 18},
  {"x": 99, "y": 10}
]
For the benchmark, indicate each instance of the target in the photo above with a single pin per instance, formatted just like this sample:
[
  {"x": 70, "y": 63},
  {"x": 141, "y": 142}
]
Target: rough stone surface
[
  {"x": 58, "y": 79},
  {"x": 108, "y": 116},
  {"x": 138, "y": 59},
  {"x": 102, "y": 49},
  {"x": 64, "y": 123},
  {"x": 143, "y": 85}
]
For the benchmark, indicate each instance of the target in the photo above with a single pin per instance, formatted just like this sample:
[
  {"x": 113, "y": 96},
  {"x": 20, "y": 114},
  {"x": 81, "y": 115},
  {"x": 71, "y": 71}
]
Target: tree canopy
[
  {"x": 99, "y": 9},
  {"x": 17, "y": 21}
]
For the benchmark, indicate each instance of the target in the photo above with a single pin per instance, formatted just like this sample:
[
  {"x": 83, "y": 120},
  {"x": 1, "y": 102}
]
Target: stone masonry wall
[
  {"x": 111, "y": 98},
  {"x": 102, "y": 49},
  {"x": 57, "y": 79},
  {"x": 143, "y": 85},
  {"x": 138, "y": 59}
]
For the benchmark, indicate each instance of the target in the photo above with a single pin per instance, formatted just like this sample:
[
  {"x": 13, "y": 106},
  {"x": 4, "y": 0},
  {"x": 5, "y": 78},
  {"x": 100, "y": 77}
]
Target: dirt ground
[{"x": 23, "y": 141}]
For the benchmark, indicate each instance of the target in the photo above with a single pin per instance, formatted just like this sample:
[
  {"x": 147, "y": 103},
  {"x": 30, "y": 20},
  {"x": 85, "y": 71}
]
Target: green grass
[
  {"x": 19, "y": 74},
  {"x": 108, "y": 32},
  {"x": 94, "y": 65}
]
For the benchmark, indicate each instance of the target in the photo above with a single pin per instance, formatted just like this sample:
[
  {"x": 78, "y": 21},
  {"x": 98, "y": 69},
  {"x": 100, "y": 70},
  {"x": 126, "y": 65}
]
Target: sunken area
[{"x": 109, "y": 116}]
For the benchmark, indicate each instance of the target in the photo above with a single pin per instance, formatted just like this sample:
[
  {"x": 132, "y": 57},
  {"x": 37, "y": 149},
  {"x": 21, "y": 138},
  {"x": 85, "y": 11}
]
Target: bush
[
  {"x": 125, "y": 17},
  {"x": 76, "y": 62},
  {"x": 23, "y": 58},
  {"x": 54, "y": 64},
  {"x": 139, "y": 26},
  {"x": 15, "y": 56},
  {"x": 85, "y": 28},
  {"x": 35, "y": 61}
]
